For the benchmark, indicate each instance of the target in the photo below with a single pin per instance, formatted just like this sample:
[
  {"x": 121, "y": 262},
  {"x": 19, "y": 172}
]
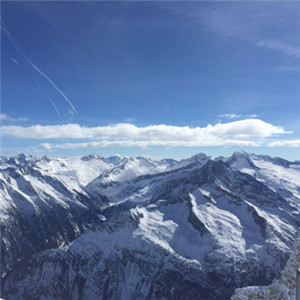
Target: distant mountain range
[{"x": 136, "y": 228}]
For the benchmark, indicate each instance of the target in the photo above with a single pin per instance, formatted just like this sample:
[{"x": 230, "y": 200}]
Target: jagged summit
[{"x": 18, "y": 159}]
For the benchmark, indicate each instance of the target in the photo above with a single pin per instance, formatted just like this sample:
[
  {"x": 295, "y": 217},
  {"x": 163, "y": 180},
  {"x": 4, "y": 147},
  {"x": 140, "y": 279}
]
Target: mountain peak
[
  {"x": 114, "y": 158},
  {"x": 240, "y": 153},
  {"x": 19, "y": 159},
  {"x": 199, "y": 157},
  {"x": 90, "y": 157},
  {"x": 45, "y": 158}
]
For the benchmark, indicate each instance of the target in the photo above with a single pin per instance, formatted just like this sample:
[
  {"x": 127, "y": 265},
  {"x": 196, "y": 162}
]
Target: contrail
[
  {"x": 53, "y": 84},
  {"x": 34, "y": 66},
  {"x": 13, "y": 60},
  {"x": 55, "y": 107},
  {"x": 50, "y": 100},
  {"x": 14, "y": 42}
]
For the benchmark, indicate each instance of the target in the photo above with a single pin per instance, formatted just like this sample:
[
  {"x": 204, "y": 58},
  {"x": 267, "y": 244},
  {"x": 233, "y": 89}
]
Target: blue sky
[{"x": 150, "y": 78}]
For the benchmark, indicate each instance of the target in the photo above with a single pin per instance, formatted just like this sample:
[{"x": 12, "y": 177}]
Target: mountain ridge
[{"x": 231, "y": 220}]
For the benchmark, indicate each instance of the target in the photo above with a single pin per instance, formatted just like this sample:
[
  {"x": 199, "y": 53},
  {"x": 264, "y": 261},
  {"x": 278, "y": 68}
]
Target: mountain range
[{"x": 135, "y": 228}]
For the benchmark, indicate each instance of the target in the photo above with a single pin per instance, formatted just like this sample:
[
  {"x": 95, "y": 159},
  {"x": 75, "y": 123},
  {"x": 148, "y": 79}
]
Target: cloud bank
[
  {"x": 5, "y": 117},
  {"x": 249, "y": 132},
  {"x": 285, "y": 143}
]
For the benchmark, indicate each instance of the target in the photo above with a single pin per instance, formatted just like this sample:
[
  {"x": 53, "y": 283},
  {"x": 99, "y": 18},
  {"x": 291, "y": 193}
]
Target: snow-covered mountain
[
  {"x": 278, "y": 174},
  {"x": 44, "y": 203},
  {"x": 119, "y": 184},
  {"x": 136, "y": 228}
]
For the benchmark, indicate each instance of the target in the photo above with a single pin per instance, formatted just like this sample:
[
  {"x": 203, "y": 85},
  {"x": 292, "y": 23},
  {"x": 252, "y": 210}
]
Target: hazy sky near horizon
[{"x": 160, "y": 79}]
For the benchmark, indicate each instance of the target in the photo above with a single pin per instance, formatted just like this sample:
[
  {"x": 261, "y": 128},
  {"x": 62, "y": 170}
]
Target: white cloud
[
  {"x": 146, "y": 144},
  {"x": 285, "y": 143},
  {"x": 238, "y": 129},
  {"x": 247, "y": 132},
  {"x": 5, "y": 117},
  {"x": 230, "y": 116},
  {"x": 238, "y": 116}
]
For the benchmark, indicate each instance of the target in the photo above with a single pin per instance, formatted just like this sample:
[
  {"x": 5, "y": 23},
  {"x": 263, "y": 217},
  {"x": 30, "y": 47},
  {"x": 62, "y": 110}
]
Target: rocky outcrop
[{"x": 283, "y": 288}]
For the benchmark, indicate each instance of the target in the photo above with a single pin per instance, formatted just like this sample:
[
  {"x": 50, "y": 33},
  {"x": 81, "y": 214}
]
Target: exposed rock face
[{"x": 282, "y": 289}]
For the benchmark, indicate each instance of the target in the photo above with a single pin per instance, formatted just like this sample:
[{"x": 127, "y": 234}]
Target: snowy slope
[
  {"x": 125, "y": 260},
  {"x": 120, "y": 183},
  {"x": 278, "y": 174},
  {"x": 75, "y": 169},
  {"x": 43, "y": 205},
  {"x": 44, "y": 201},
  {"x": 192, "y": 231}
]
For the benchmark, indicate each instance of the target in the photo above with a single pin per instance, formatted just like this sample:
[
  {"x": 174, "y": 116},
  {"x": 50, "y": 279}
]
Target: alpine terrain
[{"x": 136, "y": 228}]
